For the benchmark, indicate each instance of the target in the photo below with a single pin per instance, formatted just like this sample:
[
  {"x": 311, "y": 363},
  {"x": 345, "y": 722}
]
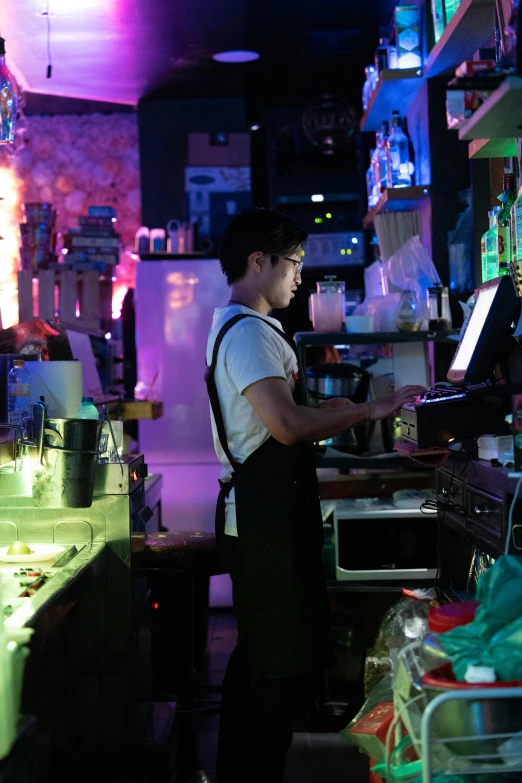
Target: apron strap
[{"x": 211, "y": 382}]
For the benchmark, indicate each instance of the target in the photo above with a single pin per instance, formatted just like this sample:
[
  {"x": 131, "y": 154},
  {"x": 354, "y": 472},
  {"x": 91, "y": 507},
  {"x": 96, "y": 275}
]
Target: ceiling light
[
  {"x": 236, "y": 56},
  {"x": 318, "y": 197}
]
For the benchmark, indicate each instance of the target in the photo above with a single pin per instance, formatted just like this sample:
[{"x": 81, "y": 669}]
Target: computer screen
[{"x": 485, "y": 336}]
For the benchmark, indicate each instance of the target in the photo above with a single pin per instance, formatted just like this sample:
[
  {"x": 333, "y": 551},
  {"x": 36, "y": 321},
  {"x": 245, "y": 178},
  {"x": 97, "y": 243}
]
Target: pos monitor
[{"x": 486, "y": 334}]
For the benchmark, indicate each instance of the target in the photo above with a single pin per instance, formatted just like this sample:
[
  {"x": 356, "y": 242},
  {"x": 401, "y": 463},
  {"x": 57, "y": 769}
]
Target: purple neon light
[{"x": 236, "y": 56}]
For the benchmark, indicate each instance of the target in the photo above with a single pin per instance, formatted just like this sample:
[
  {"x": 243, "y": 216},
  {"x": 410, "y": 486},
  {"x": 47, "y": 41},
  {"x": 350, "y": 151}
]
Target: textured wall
[{"x": 72, "y": 161}]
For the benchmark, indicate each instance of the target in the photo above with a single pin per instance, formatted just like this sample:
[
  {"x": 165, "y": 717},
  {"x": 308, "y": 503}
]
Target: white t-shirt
[{"x": 250, "y": 351}]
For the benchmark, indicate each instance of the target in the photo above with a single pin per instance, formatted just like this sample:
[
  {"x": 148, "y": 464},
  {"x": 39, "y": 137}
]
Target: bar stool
[{"x": 178, "y": 566}]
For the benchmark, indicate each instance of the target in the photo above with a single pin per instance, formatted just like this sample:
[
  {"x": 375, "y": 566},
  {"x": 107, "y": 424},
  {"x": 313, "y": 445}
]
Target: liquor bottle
[
  {"x": 8, "y": 100},
  {"x": 371, "y": 190},
  {"x": 381, "y": 158},
  {"x": 489, "y": 247},
  {"x": 439, "y": 17},
  {"x": 369, "y": 85},
  {"x": 503, "y": 225},
  {"x": 399, "y": 164},
  {"x": 450, "y": 6},
  {"x": 516, "y": 236}
]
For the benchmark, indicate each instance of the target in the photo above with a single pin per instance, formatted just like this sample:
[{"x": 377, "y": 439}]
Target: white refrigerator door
[{"x": 175, "y": 301}]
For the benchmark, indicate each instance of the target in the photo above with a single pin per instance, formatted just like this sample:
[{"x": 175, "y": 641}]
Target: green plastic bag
[{"x": 494, "y": 637}]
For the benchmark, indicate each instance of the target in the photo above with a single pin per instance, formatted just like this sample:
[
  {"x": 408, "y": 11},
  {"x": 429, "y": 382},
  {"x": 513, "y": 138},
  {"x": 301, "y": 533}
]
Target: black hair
[{"x": 257, "y": 230}]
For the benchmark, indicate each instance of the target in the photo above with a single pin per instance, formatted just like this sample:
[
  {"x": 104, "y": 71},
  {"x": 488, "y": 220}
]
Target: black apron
[{"x": 278, "y": 578}]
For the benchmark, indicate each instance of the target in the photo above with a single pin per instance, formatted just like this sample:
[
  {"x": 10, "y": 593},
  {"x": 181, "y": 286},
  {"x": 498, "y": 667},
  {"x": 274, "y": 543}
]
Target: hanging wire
[{"x": 49, "y": 60}]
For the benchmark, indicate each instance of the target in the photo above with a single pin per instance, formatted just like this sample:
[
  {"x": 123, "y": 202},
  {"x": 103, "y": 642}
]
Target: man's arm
[{"x": 289, "y": 423}]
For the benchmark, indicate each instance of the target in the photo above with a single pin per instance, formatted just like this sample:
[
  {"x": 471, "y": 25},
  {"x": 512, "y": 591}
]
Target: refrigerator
[{"x": 175, "y": 301}]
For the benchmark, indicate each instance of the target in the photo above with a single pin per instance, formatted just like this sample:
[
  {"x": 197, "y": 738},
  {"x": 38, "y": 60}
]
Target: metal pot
[
  {"x": 64, "y": 476},
  {"x": 327, "y": 381}
]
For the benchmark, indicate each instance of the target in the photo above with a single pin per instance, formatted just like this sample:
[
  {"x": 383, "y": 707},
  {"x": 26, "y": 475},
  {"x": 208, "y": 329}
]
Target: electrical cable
[
  {"x": 47, "y": 15},
  {"x": 510, "y": 515}
]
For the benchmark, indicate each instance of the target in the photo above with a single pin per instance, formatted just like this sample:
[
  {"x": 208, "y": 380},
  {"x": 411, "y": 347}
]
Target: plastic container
[
  {"x": 357, "y": 324},
  {"x": 442, "y": 619},
  {"x": 18, "y": 393},
  {"x": 87, "y": 409}
]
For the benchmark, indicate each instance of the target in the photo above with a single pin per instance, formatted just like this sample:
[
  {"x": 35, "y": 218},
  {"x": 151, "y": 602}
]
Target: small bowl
[{"x": 357, "y": 324}]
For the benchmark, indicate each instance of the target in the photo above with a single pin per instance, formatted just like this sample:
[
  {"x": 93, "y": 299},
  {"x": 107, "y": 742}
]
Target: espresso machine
[{"x": 81, "y": 601}]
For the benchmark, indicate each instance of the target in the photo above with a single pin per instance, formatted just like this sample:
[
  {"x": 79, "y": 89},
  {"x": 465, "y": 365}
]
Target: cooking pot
[{"x": 330, "y": 380}]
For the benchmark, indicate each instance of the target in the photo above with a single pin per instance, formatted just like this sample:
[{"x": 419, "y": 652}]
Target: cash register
[{"x": 464, "y": 407}]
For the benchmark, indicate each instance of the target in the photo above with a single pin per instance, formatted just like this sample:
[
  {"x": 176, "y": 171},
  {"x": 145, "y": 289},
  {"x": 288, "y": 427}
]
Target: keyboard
[{"x": 442, "y": 394}]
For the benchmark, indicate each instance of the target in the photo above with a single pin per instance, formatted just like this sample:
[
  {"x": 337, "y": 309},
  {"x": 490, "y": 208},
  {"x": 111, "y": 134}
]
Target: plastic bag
[
  {"x": 405, "y": 622},
  {"x": 384, "y": 310},
  {"x": 369, "y": 727},
  {"x": 411, "y": 269},
  {"x": 494, "y": 637}
]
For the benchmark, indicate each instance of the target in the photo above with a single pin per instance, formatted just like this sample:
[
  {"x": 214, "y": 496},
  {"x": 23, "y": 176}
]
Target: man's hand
[
  {"x": 335, "y": 402},
  {"x": 386, "y": 406}
]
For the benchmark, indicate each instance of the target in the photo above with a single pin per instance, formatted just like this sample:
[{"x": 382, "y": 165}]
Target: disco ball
[{"x": 330, "y": 122}]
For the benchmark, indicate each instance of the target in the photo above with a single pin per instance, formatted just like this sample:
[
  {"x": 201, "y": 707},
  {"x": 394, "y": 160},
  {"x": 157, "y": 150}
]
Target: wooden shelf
[
  {"x": 135, "y": 410},
  {"x": 397, "y": 200},
  {"x": 493, "y": 148},
  {"x": 500, "y": 116},
  {"x": 310, "y": 339},
  {"x": 471, "y": 25},
  {"x": 396, "y": 89}
]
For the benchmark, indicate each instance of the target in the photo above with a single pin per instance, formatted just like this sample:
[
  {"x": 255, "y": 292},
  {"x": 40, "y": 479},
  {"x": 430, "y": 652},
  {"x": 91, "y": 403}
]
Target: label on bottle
[
  {"x": 19, "y": 390},
  {"x": 504, "y": 249}
]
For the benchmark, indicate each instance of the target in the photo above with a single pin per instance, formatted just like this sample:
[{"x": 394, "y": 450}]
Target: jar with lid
[
  {"x": 408, "y": 315},
  {"x": 442, "y": 619}
]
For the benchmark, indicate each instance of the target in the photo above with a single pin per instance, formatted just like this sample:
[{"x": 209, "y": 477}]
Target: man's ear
[{"x": 256, "y": 261}]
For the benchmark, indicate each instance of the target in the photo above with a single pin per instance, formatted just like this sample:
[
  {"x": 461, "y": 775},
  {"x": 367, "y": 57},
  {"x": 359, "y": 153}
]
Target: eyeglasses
[{"x": 298, "y": 265}]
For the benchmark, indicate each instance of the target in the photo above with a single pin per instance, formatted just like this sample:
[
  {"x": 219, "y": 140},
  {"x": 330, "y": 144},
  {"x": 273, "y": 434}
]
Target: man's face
[{"x": 282, "y": 279}]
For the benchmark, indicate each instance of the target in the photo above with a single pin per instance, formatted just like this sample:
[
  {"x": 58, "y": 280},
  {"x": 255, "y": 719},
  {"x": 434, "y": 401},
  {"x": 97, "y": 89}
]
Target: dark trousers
[{"x": 256, "y": 724}]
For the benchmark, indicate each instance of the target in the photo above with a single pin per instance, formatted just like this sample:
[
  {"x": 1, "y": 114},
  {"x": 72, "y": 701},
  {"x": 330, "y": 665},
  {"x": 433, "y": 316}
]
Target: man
[{"x": 268, "y": 520}]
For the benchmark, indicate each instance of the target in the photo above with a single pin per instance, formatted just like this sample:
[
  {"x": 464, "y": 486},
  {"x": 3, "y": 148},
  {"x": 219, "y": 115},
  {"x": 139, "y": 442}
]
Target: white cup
[{"x": 327, "y": 312}]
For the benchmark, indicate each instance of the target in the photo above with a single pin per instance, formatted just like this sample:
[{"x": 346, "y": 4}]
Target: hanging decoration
[{"x": 8, "y": 100}]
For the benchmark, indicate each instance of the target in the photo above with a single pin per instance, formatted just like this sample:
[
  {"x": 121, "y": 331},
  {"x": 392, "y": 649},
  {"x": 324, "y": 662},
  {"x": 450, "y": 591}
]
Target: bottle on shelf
[
  {"x": 439, "y": 17},
  {"x": 489, "y": 247},
  {"x": 18, "y": 393},
  {"x": 504, "y": 249},
  {"x": 369, "y": 85},
  {"x": 381, "y": 54},
  {"x": 516, "y": 235},
  {"x": 399, "y": 164},
  {"x": 381, "y": 158},
  {"x": 87, "y": 409},
  {"x": 450, "y": 6},
  {"x": 371, "y": 190}
]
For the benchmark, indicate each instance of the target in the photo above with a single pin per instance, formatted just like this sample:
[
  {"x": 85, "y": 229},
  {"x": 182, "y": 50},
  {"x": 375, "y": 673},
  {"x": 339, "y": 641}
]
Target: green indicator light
[
  {"x": 328, "y": 214},
  {"x": 343, "y": 252}
]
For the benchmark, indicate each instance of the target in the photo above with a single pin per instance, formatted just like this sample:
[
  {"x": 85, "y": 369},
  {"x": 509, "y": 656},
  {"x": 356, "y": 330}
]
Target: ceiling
[{"x": 118, "y": 51}]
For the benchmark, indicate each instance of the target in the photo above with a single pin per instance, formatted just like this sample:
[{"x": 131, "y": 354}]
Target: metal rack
[{"x": 509, "y": 764}]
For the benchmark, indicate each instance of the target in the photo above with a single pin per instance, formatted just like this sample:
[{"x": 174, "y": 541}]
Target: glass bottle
[
  {"x": 370, "y": 181},
  {"x": 408, "y": 315},
  {"x": 516, "y": 234},
  {"x": 8, "y": 100},
  {"x": 399, "y": 164},
  {"x": 489, "y": 247},
  {"x": 381, "y": 158},
  {"x": 503, "y": 225},
  {"x": 450, "y": 6},
  {"x": 369, "y": 85},
  {"x": 439, "y": 17}
]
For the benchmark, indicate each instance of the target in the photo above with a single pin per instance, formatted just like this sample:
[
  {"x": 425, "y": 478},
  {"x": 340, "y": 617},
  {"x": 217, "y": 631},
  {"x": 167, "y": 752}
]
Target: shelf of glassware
[
  {"x": 395, "y": 90},
  {"x": 469, "y": 28},
  {"x": 492, "y": 148},
  {"x": 397, "y": 200},
  {"x": 500, "y": 116}
]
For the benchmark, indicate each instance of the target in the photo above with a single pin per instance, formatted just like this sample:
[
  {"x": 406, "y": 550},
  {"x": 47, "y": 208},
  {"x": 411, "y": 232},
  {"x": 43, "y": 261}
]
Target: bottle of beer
[{"x": 504, "y": 225}]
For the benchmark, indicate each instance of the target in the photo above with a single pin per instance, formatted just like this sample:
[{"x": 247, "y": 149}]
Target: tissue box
[{"x": 408, "y": 37}]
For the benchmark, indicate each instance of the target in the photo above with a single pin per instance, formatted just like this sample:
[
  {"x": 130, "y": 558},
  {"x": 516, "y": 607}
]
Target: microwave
[{"x": 379, "y": 541}]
